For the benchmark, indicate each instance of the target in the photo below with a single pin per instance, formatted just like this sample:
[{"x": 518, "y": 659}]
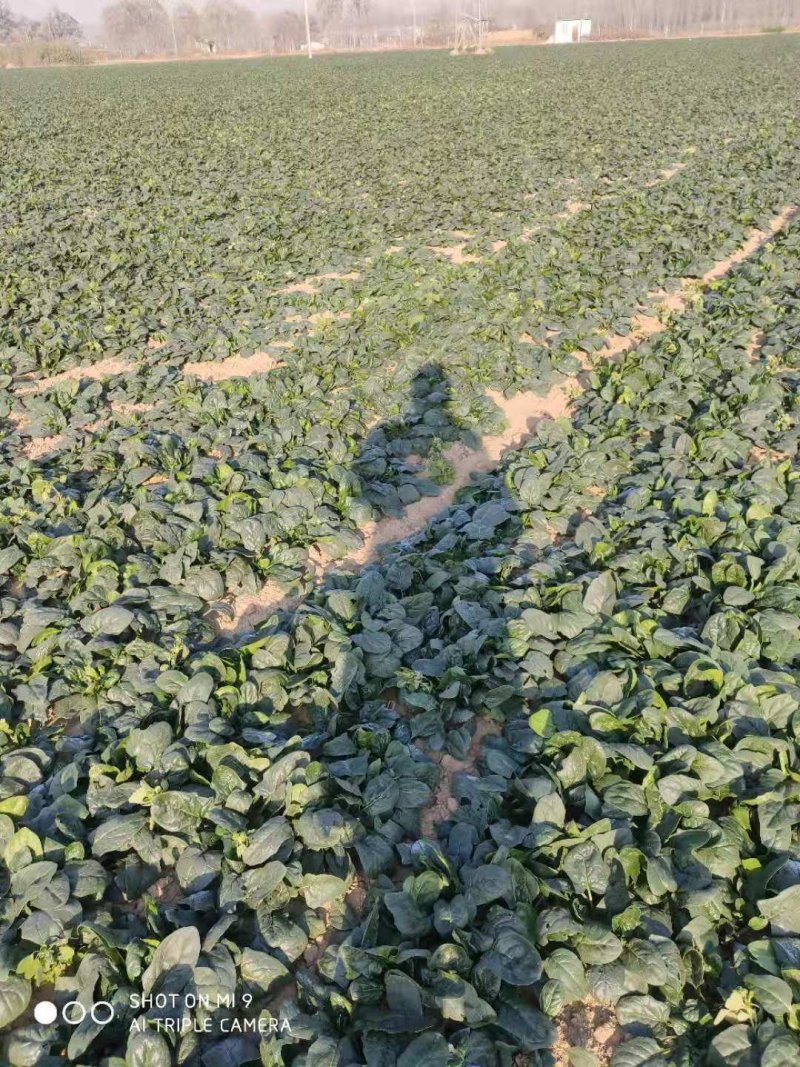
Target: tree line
[
  {"x": 141, "y": 26},
  {"x": 55, "y": 26},
  {"x": 184, "y": 27},
  {"x": 661, "y": 17},
  {"x": 133, "y": 27}
]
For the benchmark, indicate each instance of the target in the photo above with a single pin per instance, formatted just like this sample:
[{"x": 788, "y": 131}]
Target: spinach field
[{"x": 400, "y": 560}]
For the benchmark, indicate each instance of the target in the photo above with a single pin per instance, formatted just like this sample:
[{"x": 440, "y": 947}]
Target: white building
[{"x": 570, "y": 31}]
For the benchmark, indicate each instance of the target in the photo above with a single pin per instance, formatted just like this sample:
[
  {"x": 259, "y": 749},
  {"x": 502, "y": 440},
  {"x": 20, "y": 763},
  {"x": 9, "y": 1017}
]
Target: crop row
[
  {"x": 219, "y": 487},
  {"x": 540, "y": 757},
  {"x": 631, "y": 825},
  {"x": 202, "y": 191},
  {"x": 629, "y": 835}
]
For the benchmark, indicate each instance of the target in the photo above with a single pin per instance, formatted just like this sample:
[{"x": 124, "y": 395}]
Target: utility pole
[
  {"x": 172, "y": 27},
  {"x": 414, "y": 19},
  {"x": 480, "y": 28},
  {"x": 308, "y": 30}
]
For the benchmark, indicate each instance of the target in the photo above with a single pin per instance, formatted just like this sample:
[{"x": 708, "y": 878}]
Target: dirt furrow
[
  {"x": 457, "y": 253},
  {"x": 261, "y": 362},
  {"x": 104, "y": 368},
  {"x": 236, "y": 366},
  {"x": 312, "y": 283},
  {"x": 647, "y": 325},
  {"x": 39, "y": 447},
  {"x": 523, "y": 413}
]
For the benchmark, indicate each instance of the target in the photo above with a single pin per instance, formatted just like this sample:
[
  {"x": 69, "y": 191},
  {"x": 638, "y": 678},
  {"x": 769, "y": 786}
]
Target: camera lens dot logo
[
  {"x": 45, "y": 1012},
  {"x": 102, "y": 1012},
  {"x": 73, "y": 1013}
]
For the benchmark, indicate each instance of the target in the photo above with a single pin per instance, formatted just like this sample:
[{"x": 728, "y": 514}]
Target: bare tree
[
  {"x": 660, "y": 17},
  {"x": 188, "y": 27},
  {"x": 287, "y": 31},
  {"x": 330, "y": 10},
  {"x": 60, "y": 26},
  {"x": 228, "y": 25},
  {"x": 7, "y": 21},
  {"x": 134, "y": 27}
]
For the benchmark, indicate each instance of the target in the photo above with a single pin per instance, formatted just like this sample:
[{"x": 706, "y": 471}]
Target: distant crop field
[{"x": 400, "y": 560}]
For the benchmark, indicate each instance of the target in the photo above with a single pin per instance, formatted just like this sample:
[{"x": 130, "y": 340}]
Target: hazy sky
[
  {"x": 34, "y": 8},
  {"x": 88, "y": 11}
]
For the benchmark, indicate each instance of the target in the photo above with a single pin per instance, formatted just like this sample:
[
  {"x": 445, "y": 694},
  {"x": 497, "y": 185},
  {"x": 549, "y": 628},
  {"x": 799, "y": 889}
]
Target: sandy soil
[
  {"x": 120, "y": 408},
  {"x": 252, "y": 608},
  {"x": 444, "y": 803},
  {"x": 312, "y": 283},
  {"x": 755, "y": 346},
  {"x": 299, "y": 287},
  {"x": 666, "y": 174},
  {"x": 38, "y": 447},
  {"x": 328, "y": 316},
  {"x": 105, "y": 368},
  {"x": 167, "y": 889},
  {"x": 757, "y": 453},
  {"x": 574, "y": 207},
  {"x": 523, "y": 413},
  {"x": 587, "y": 1024},
  {"x": 235, "y": 366},
  {"x": 455, "y": 253}
]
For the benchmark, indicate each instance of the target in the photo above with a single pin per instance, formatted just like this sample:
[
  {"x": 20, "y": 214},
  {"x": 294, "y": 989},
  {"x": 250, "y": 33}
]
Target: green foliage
[{"x": 615, "y": 611}]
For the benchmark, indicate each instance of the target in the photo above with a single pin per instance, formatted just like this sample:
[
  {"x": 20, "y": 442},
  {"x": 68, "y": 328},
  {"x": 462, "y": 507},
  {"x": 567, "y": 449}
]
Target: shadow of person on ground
[
  {"x": 407, "y": 456},
  {"x": 409, "y": 471}
]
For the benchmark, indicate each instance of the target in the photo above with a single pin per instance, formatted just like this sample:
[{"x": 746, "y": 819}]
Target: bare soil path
[{"x": 523, "y": 414}]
